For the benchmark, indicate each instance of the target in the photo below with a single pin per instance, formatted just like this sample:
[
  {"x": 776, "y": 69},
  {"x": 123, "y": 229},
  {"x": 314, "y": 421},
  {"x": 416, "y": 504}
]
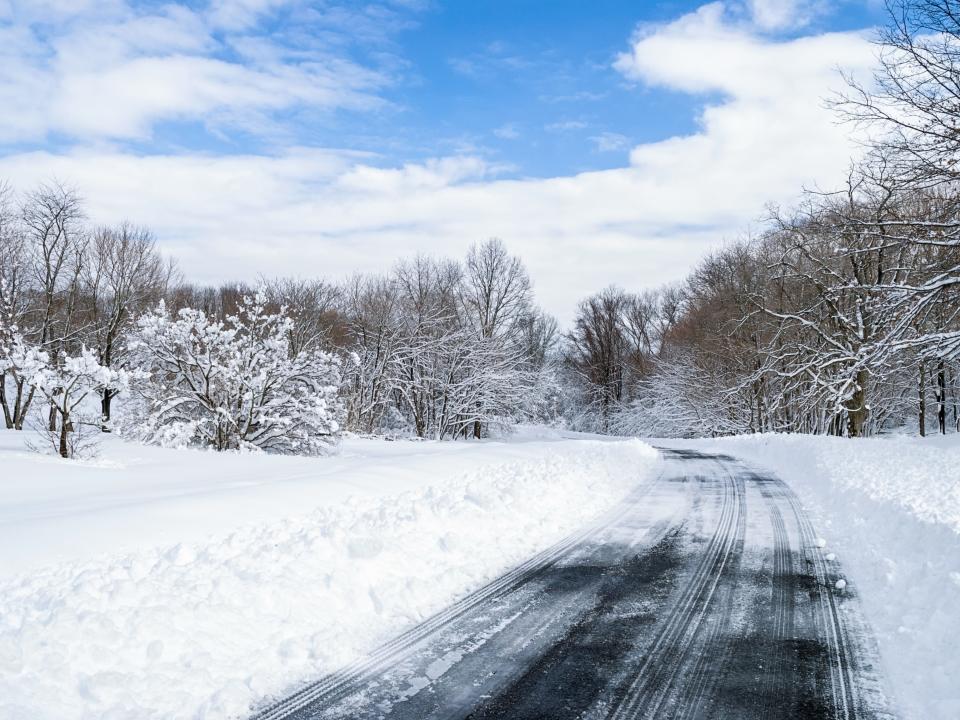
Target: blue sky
[
  {"x": 543, "y": 71},
  {"x": 289, "y": 136}
]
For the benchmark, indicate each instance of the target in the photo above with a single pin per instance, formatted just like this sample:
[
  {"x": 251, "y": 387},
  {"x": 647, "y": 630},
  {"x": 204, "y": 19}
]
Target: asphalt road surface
[{"x": 703, "y": 595}]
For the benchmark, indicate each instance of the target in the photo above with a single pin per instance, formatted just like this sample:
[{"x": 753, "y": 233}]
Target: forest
[{"x": 842, "y": 316}]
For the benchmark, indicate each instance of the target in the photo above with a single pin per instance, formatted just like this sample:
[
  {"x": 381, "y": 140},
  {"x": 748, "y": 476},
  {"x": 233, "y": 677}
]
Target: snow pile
[
  {"x": 204, "y": 628},
  {"x": 890, "y": 510}
]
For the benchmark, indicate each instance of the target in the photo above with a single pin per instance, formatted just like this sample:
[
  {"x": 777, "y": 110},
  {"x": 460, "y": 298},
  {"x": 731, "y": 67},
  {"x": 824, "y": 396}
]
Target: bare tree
[
  {"x": 13, "y": 276},
  {"x": 598, "y": 348},
  {"x": 42, "y": 286},
  {"x": 312, "y": 305},
  {"x": 496, "y": 290},
  {"x": 370, "y": 306},
  {"x": 913, "y": 105},
  {"x": 496, "y": 295},
  {"x": 125, "y": 275},
  {"x": 429, "y": 324}
]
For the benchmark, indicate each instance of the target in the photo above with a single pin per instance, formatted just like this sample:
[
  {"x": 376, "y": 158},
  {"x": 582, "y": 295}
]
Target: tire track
[
  {"x": 829, "y": 620},
  {"x": 655, "y": 677},
  {"x": 341, "y": 683},
  {"x": 717, "y": 647},
  {"x": 724, "y": 629},
  {"x": 783, "y": 600}
]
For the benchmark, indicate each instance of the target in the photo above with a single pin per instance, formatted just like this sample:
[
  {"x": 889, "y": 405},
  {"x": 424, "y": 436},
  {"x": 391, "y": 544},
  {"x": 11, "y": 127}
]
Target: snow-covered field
[
  {"x": 156, "y": 583},
  {"x": 182, "y": 584},
  {"x": 890, "y": 510}
]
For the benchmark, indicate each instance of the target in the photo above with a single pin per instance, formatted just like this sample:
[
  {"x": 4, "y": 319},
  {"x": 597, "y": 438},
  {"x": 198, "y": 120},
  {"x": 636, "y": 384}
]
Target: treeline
[
  {"x": 842, "y": 317},
  {"x": 436, "y": 348}
]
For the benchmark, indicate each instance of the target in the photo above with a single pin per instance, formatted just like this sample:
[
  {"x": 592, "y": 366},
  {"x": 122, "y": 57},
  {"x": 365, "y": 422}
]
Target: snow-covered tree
[
  {"x": 234, "y": 383},
  {"x": 123, "y": 276},
  {"x": 19, "y": 361},
  {"x": 681, "y": 399},
  {"x": 370, "y": 309},
  {"x": 67, "y": 382}
]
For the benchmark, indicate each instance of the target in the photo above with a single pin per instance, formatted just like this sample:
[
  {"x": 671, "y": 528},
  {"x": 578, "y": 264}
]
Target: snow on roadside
[
  {"x": 889, "y": 509},
  {"x": 135, "y": 496},
  {"x": 203, "y": 628}
]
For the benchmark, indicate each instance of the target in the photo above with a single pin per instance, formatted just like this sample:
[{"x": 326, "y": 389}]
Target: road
[{"x": 705, "y": 594}]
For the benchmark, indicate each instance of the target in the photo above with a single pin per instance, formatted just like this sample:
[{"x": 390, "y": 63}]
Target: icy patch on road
[{"x": 204, "y": 628}]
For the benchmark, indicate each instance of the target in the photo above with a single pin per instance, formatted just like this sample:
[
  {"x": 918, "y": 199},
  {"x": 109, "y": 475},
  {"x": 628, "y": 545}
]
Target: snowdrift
[{"x": 311, "y": 562}]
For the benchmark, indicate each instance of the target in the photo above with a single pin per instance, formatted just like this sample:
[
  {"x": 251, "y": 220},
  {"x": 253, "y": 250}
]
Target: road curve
[{"x": 703, "y": 594}]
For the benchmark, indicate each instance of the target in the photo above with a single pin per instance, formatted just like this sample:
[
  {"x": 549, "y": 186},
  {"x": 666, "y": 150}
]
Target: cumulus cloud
[
  {"x": 769, "y": 133},
  {"x": 763, "y": 133}
]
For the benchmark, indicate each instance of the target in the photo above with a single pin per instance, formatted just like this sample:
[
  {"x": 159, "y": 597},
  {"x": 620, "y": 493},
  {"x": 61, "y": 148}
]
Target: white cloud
[
  {"x": 329, "y": 213},
  {"x": 326, "y": 212},
  {"x": 770, "y": 133},
  {"x": 565, "y": 126},
  {"x": 507, "y": 131},
  {"x": 239, "y": 14},
  {"x": 783, "y": 14},
  {"x": 113, "y": 73},
  {"x": 610, "y": 142}
]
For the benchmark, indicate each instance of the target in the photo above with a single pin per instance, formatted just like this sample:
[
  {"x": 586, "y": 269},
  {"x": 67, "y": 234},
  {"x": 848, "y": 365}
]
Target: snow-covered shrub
[{"x": 234, "y": 384}]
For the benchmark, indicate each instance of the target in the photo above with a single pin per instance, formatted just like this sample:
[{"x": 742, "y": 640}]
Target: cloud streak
[{"x": 114, "y": 72}]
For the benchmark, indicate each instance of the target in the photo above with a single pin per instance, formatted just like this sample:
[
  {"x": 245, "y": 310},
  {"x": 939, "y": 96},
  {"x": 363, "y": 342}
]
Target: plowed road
[{"x": 703, "y": 595}]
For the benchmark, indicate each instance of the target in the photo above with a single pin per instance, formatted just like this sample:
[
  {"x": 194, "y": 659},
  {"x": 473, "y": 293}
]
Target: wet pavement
[{"x": 704, "y": 594}]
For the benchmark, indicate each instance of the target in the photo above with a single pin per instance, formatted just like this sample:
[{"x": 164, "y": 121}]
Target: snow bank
[
  {"x": 203, "y": 627},
  {"x": 135, "y": 496},
  {"x": 890, "y": 509}
]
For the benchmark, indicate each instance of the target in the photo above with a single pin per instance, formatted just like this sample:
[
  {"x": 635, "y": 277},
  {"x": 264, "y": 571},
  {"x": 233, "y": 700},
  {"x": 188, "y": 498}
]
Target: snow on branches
[
  {"x": 65, "y": 381},
  {"x": 234, "y": 384}
]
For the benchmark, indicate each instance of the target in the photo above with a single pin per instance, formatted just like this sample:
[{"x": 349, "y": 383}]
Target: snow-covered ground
[
  {"x": 889, "y": 508},
  {"x": 157, "y": 583}
]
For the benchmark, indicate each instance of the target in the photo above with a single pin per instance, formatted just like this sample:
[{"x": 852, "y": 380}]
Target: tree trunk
[
  {"x": 956, "y": 408},
  {"x": 476, "y": 429},
  {"x": 922, "y": 408},
  {"x": 106, "y": 398},
  {"x": 857, "y": 407},
  {"x": 64, "y": 429},
  {"x": 7, "y": 415},
  {"x": 22, "y": 406},
  {"x": 52, "y": 418},
  {"x": 942, "y": 398},
  {"x": 836, "y": 424}
]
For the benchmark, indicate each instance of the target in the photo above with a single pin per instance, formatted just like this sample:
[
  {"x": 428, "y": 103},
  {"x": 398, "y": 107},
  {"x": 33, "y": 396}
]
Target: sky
[{"x": 605, "y": 142}]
